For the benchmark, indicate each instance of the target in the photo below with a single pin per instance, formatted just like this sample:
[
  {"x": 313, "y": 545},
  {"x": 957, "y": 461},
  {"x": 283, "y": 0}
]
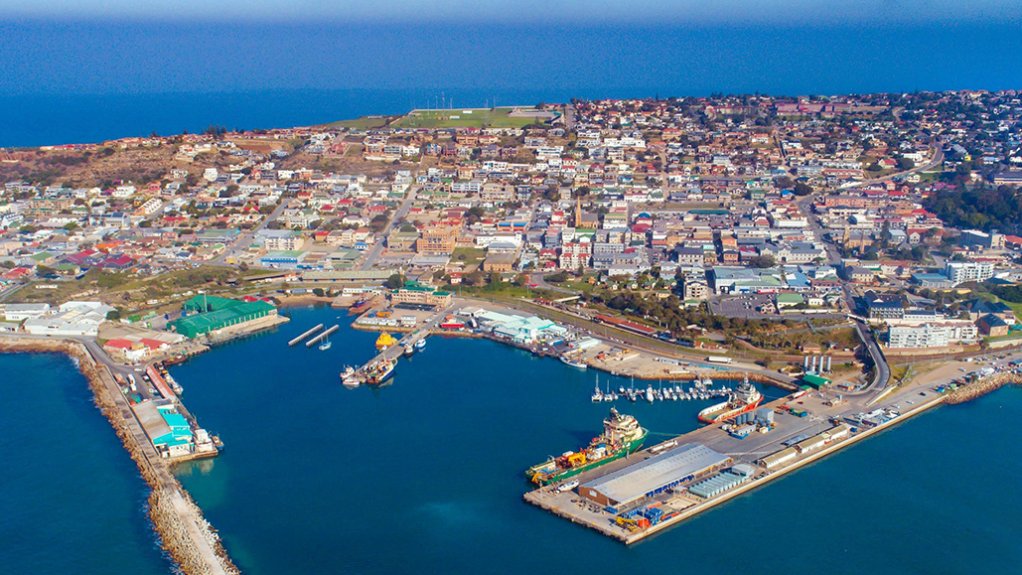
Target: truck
[{"x": 718, "y": 359}]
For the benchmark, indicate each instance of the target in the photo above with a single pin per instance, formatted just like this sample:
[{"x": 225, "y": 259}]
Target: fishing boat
[
  {"x": 573, "y": 363},
  {"x": 380, "y": 371},
  {"x": 349, "y": 377},
  {"x": 621, "y": 436},
  {"x": 745, "y": 398}
]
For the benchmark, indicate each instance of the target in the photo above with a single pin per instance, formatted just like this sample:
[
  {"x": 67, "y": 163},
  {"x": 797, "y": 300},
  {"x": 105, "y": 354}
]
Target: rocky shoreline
[
  {"x": 982, "y": 387},
  {"x": 192, "y": 543}
]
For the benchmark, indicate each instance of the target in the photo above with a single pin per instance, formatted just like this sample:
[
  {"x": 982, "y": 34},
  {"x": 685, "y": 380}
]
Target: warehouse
[
  {"x": 167, "y": 429},
  {"x": 722, "y": 482},
  {"x": 210, "y": 313},
  {"x": 775, "y": 460},
  {"x": 654, "y": 475}
]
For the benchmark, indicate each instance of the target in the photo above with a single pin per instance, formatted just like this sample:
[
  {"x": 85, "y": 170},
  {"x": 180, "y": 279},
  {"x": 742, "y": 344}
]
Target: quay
[
  {"x": 305, "y": 334},
  {"x": 654, "y": 489}
]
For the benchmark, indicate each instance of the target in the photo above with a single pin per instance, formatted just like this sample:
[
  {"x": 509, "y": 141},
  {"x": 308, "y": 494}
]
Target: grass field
[
  {"x": 466, "y": 118},
  {"x": 363, "y": 123}
]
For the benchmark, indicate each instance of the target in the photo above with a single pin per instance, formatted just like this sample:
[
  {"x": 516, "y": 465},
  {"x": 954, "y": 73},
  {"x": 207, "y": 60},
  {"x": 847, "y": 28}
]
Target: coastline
[{"x": 192, "y": 542}]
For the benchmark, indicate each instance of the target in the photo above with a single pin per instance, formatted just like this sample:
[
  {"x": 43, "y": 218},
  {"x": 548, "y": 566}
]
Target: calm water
[
  {"x": 427, "y": 474},
  {"x": 71, "y": 500},
  {"x": 77, "y": 81}
]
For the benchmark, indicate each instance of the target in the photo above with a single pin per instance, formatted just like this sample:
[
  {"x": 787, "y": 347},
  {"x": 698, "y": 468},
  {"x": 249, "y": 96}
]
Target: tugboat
[
  {"x": 746, "y": 398},
  {"x": 621, "y": 436}
]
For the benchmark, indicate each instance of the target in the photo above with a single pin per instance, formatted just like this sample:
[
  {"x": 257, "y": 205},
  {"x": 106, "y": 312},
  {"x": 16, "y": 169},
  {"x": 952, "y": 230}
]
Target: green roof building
[
  {"x": 203, "y": 314},
  {"x": 814, "y": 380}
]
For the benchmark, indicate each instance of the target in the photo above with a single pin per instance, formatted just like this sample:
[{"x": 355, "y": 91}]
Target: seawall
[{"x": 184, "y": 533}]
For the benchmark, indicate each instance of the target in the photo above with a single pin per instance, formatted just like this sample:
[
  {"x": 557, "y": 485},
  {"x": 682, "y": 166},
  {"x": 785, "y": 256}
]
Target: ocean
[
  {"x": 71, "y": 499},
  {"x": 70, "y": 82}
]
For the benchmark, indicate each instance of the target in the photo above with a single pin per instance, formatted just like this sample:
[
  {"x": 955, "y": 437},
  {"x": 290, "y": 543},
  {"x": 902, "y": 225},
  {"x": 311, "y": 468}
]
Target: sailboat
[{"x": 325, "y": 345}]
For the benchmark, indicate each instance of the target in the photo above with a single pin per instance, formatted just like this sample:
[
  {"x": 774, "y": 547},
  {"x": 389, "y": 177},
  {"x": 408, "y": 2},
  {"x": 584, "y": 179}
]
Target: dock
[
  {"x": 618, "y": 500},
  {"x": 321, "y": 336},
  {"x": 306, "y": 334}
]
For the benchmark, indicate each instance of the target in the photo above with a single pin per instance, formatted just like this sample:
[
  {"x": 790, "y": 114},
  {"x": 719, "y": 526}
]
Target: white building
[
  {"x": 74, "y": 318},
  {"x": 961, "y": 272},
  {"x": 931, "y": 334}
]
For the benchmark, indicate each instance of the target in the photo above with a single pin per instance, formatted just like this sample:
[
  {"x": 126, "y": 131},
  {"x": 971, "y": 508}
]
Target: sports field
[{"x": 470, "y": 118}]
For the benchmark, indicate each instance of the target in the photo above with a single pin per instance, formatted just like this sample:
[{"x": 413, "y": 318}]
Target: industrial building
[
  {"x": 723, "y": 481},
  {"x": 203, "y": 314},
  {"x": 167, "y": 429},
  {"x": 654, "y": 475}
]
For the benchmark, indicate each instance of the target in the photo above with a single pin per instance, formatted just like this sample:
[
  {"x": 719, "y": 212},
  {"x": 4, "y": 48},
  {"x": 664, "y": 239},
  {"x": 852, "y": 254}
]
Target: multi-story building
[
  {"x": 931, "y": 334},
  {"x": 437, "y": 240},
  {"x": 961, "y": 272},
  {"x": 575, "y": 255}
]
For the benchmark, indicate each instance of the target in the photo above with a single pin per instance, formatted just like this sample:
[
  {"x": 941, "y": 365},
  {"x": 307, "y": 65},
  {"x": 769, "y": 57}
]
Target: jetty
[
  {"x": 306, "y": 334},
  {"x": 189, "y": 539},
  {"x": 321, "y": 336}
]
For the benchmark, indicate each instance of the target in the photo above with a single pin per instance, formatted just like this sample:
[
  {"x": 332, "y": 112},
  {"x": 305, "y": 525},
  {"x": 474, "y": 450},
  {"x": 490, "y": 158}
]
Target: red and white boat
[{"x": 746, "y": 398}]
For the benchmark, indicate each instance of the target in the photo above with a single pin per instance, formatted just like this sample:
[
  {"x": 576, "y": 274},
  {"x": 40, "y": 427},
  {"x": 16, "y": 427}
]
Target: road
[
  {"x": 245, "y": 239},
  {"x": 402, "y": 211}
]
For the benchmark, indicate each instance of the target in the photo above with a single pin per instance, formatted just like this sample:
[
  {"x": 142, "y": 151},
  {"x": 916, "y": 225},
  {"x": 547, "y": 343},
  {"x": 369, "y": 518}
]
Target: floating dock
[
  {"x": 306, "y": 334},
  {"x": 321, "y": 336}
]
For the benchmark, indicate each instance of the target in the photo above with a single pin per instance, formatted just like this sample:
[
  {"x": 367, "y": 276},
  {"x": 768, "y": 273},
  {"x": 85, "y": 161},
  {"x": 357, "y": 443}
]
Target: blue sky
[{"x": 525, "y": 11}]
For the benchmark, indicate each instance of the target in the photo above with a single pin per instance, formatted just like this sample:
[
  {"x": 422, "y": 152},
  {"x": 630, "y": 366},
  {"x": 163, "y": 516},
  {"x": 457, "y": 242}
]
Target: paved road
[
  {"x": 402, "y": 211},
  {"x": 245, "y": 239}
]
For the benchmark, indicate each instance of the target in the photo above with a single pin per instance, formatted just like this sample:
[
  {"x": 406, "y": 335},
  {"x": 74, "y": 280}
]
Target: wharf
[{"x": 681, "y": 504}]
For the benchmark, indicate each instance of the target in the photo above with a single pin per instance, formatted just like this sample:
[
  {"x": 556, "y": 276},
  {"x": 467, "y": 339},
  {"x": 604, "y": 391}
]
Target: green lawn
[
  {"x": 466, "y": 118},
  {"x": 363, "y": 123}
]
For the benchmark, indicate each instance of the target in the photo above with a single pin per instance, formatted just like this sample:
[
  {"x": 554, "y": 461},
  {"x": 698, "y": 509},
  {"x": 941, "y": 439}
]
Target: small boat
[
  {"x": 325, "y": 345},
  {"x": 420, "y": 344},
  {"x": 650, "y": 397},
  {"x": 349, "y": 377},
  {"x": 565, "y": 487}
]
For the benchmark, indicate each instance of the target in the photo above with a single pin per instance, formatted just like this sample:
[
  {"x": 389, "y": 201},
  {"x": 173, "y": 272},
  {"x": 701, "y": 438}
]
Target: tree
[
  {"x": 318, "y": 292},
  {"x": 394, "y": 281},
  {"x": 802, "y": 189},
  {"x": 762, "y": 261}
]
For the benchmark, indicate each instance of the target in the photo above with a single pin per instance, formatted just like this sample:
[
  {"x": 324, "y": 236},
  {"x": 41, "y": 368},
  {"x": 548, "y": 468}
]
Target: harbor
[{"x": 634, "y": 497}]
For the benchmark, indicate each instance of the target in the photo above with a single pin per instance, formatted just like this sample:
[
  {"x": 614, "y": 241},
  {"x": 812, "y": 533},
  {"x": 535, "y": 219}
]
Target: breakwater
[
  {"x": 185, "y": 535},
  {"x": 982, "y": 387}
]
